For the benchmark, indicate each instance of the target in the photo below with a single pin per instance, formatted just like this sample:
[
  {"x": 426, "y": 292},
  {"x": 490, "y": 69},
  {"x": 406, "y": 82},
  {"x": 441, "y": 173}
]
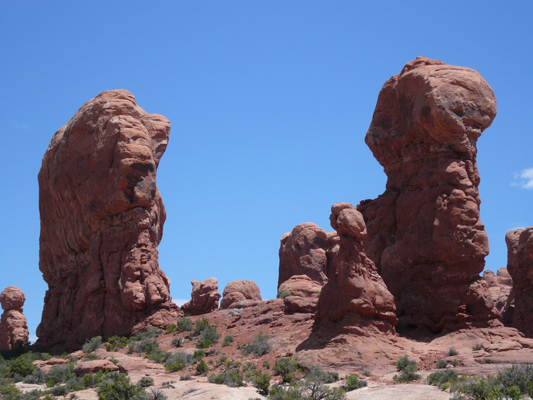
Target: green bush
[
  {"x": 261, "y": 381},
  {"x": 150, "y": 333},
  {"x": 145, "y": 382},
  {"x": 116, "y": 386},
  {"x": 407, "y": 369},
  {"x": 440, "y": 378},
  {"x": 266, "y": 364},
  {"x": 90, "y": 357},
  {"x": 231, "y": 378},
  {"x": 92, "y": 344},
  {"x": 184, "y": 324},
  {"x": 258, "y": 346},
  {"x": 59, "y": 374},
  {"x": 287, "y": 368},
  {"x": 201, "y": 325},
  {"x": 178, "y": 361},
  {"x": 171, "y": 328},
  {"x": 366, "y": 372},
  {"x": 208, "y": 337},
  {"x": 20, "y": 367},
  {"x": 452, "y": 352},
  {"x": 198, "y": 355},
  {"x": 228, "y": 339},
  {"x": 178, "y": 342},
  {"x": 353, "y": 382},
  {"x": 202, "y": 368},
  {"x": 478, "y": 346},
  {"x": 278, "y": 392},
  {"x": 519, "y": 376},
  {"x": 118, "y": 342},
  {"x": 283, "y": 294}
]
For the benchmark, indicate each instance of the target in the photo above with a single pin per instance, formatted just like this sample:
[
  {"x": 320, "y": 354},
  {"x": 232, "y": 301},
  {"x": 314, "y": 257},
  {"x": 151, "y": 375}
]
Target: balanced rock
[
  {"x": 236, "y": 292},
  {"x": 13, "y": 324},
  {"x": 204, "y": 297},
  {"x": 302, "y": 252},
  {"x": 424, "y": 233},
  {"x": 355, "y": 299},
  {"x": 520, "y": 266},
  {"x": 102, "y": 219}
]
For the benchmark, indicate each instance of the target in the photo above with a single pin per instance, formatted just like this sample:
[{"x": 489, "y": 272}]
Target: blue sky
[{"x": 269, "y": 103}]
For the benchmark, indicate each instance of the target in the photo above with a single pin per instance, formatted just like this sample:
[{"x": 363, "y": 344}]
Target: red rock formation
[
  {"x": 101, "y": 220},
  {"x": 302, "y": 296},
  {"x": 236, "y": 292},
  {"x": 13, "y": 324},
  {"x": 204, "y": 297},
  {"x": 355, "y": 299},
  {"x": 302, "y": 253},
  {"x": 424, "y": 232},
  {"x": 500, "y": 287},
  {"x": 520, "y": 266}
]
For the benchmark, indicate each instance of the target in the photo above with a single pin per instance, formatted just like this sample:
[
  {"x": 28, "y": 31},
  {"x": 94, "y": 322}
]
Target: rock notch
[
  {"x": 13, "y": 324},
  {"x": 355, "y": 299},
  {"x": 424, "y": 233},
  {"x": 101, "y": 221}
]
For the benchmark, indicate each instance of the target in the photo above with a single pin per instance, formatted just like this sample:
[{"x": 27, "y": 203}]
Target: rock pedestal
[
  {"x": 102, "y": 219},
  {"x": 204, "y": 297},
  {"x": 13, "y": 324},
  {"x": 424, "y": 233}
]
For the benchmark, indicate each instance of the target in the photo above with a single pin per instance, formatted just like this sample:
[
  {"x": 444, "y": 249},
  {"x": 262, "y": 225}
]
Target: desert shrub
[
  {"x": 8, "y": 390},
  {"x": 366, "y": 372},
  {"x": 90, "y": 357},
  {"x": 478, "y": 346},
  {"x": 178, "y": 342},
  {"x": 92, "y": 344},
  {"x": 353, "y": 382},
  {"x": 283, "y": 294},
  {"x": 116, "y": 386},
  {"x": 145, "y": 382},
  {"x": 186, "y": 377},
  {"x": 201, "y": 325},
  {"x": 59, "y": 374},
  {"x": 178, "y": 361},
  {"x": 93, "y": 380},
  {"x": 266, "y": 364},
  {"x": 261, "y": 381},
  {"x": 228, "y": 339},
  {"x": 441, "y": 363},
  {"x": 278, "y": 392},
  {"x": 202, "y": 368},
  {"x": 476, "y": 388},
  {"x": 440, "y": 378},
  {"x": 407, "y": 369},
  {"x": 58, "y": 391},
  {"x": 198, "y": 355},
  {"x": 315, "y": 388},
  {"x": 184, "y": 324},
  {"x": 150, "y": 333},
  {"x": 287, "y": 368},
  {"x": 20, "y": 367},
  {"x": 36, "y": 377},
  {"x": 208, "y": 337},
  {"x": 171, "y": 328},
  {"x": 452, "y": 352},
  {"x": 146, "y": 346},
  {"x": 258, "y": 346},
  {"x": 117, "y": 343},
  {"x": 231, "y": 378}
]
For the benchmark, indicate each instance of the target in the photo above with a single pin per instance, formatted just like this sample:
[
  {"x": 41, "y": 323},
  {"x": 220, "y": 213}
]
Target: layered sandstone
[
  {"x": 355, "y": 299},
  {"x": 520, "y": 266},
  {"x": 236, "y": 292},
  {"x": 102, "y": 219},
  {"x": 204, "y": 297},
  {"x": 300, "y": 294},
  {"x": 13, "y": 324},
  {"x": 302, "y": 252},
  {"x": 500, "y": 290},
  {"x": 424, "y": 233}
]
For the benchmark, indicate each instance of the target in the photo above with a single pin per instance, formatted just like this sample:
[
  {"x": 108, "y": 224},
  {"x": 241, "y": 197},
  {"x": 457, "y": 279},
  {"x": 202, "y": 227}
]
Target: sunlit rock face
[
  {"x": 102, "y": 219},
  {"x": 13, "y": 323},
  {"x": 424, "y": 233}
]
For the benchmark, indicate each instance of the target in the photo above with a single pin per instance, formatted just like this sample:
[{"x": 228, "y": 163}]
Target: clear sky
[{"x": 269, "y": 103}]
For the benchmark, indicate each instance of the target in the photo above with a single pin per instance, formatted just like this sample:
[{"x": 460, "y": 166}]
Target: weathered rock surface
[
  {"x": 424, "y": 233},
  {"x": 93, "y": 366},
  {"x": 101, "y": 221},
  {"x": 13, "y": 324},
  {"x": 520, "y": 267},
  {"x": 204, "y": 297},
  {"x": 236, "y": 292},
  {"x": 301, "y": 286},
  {"x": 355, "y": 298},
  {"x": 302, "y": 252},
  {"x": 500, "y": 287}
]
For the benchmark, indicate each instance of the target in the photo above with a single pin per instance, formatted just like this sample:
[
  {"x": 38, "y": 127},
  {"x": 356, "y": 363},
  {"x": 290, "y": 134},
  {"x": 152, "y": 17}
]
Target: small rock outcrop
[
  {"x": 300, "y": 294},
  {"x": 424, "y": 233},
  {"x": 302, "y": 252},
  {"x": 520, "y": 266},
  {"x": 13, "y": 324},
  {"x": 355, "y": 299},
  {"x": 236, "y": 292},
  {"x": 500, "y": 288},
  {"x": 204, "y": 297},
  {"x": 102, "y": 219}
]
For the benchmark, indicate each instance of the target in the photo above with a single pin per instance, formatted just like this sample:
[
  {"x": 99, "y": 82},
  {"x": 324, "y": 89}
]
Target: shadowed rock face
[
  {"x": 520, "y": 266},
  {"x": 13, "y": 324},
  {"x": 424, "y": 233},
  {"x": 355, "y": 299},
  {"x": 302, "y": 253},
  {"x": 101, "y": 221}
]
